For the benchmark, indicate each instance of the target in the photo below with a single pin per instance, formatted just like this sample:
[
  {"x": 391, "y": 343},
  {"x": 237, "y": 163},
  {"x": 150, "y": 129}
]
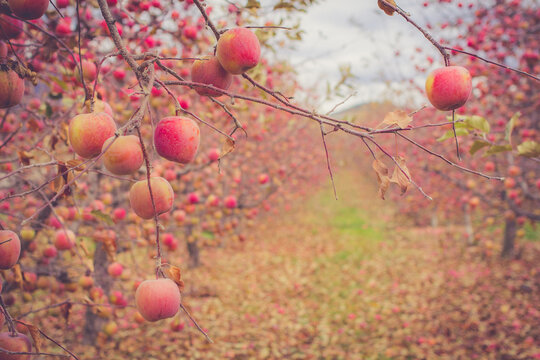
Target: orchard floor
[{"x": 339, "y": 280}]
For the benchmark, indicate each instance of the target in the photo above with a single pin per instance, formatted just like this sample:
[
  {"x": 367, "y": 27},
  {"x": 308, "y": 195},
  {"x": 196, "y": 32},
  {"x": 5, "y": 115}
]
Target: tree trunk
[
  {"x": 510, "y": 230},
  {"x": 194, "y": 252},
  {"x": 468, "y": 225},
  {"x": 94, "y": 323}
]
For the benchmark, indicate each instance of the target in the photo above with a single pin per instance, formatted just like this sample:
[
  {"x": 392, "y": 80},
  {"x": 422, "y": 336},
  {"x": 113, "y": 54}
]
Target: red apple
[
  {"x": 28, "y": 9},
  {"x": 157, "y": 299},
  {"x": 449, "y": 88},
  {"x": 10, "y": 249},
  {"x": 177, "y": 139},
  {"x": 238, "y": 50},
  {"x": 17, "y": 343},
  {"x": 210, "y": 72}
]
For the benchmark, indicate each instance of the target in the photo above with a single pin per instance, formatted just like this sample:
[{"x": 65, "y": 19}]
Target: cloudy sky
[{"x": 358, "y": 34}]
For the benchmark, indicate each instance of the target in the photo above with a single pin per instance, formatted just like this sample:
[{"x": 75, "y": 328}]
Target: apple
[
  {"x": 124, "y": 156},
  {"x": 64, "y": 239},
  {"x": 10, "y": 249},
  {"x": 141, "y": 202},
  {"x": 230, "y": 202},
  {"x": 10, "y": 28},
  {"x": 157, "y": 299},
  {"x": 177, "y": 139},
  {"x": 449, "y": 88},
  {"x": 209, "y": 71},
  {"x": 28, "y": 9},
  {"x": 17, "y": 343},
  {"x": 11, "y": 88},
  {"x": 115, "y": 269},
  {"x": 238, "y": 50},
  {"x": 88, "y": 132}
]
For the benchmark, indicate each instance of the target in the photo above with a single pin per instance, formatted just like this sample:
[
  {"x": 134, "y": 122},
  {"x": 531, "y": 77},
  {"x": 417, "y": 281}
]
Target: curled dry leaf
[
  {"x": 75, "y": 164},
  {"x": 398, "y": 118},
  {"x": 387, "y": 9},
  {"x": 35, "y": 334},
  {"x": 401, "y": 175},
  {"x": 25, "y": 157},
  {"x": 382, "y": 177},
  {"x": 228, "y": 146},
  {"x": 175, "y": 275},
  {"x": 18, "y": 275},
  {"x": 66, "y": 311},
  {"x": 110, "y": 247}
]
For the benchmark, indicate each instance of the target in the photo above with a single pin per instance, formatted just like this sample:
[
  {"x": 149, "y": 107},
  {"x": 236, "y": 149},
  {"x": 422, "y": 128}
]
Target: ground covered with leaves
[{"x": 341, "y": 280}]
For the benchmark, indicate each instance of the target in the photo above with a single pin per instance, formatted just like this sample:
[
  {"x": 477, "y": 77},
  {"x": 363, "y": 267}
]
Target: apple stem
[
  {"x": 9, "y": 319},
  {"x": 455, "y": 135}
]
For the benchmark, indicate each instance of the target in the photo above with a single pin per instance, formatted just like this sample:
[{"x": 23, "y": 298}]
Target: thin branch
[
  {"x": 194, "y": 321},
  {"x": 450, "y": 162},
  {"x": 424, "y": 32},
  {"x": 494, "y": 63},
  {"x": 328, "y": 161}
]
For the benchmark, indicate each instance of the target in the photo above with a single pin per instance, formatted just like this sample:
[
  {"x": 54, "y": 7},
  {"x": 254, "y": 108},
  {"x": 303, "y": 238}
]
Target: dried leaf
[
  {"x": 66, "y": 311},
  {"x": 52, "y": 142},
  {"x": 175, "y": 275},
  {"x": 24, "y": 157},
  {"x": 382, "y": 177},
  {"x": 75, "y": 164},
  {"x": 228, "y": 146},
  {"x": 36, "y": 336},
  {"x": 387, "y": 9},
  {"x": 401, "y": 176},
  {"x": 110, "y": 247},
  {"x": 253, "y": 4},
  {"x": 399, "y": 118},
  {"x": 18, "y": 275},
  {"x": 284, "y": 5}
]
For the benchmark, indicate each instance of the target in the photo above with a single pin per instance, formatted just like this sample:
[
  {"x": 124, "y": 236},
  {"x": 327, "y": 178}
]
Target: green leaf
[
  {"x": 103, "y": 217},
  {"x": 450, "y": 134},
  {"x": 478, "y": 145},
  {"x": 510, "y": 127},
  {"x": 48, "y": 110},
  {"x": 495, "y": 149},
  {"x": 59, "y": 82},
  {"x": 207, "y": 234},
  {"x": 473, "y": 122},
  {"x": 529, "y": 149},
  {"x": 478, "y": 123}
]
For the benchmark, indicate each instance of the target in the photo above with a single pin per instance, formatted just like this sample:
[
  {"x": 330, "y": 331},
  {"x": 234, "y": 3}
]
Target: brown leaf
[
  {"x": 399, "y": 118},
  {"x": 110, "y": 247},
  {"x": 36, "y": 336},
  {"x": 402, "y": 178},
  {"x": 66, "y": 311},
  {"x": 24, "y": 157},
  {"x": 387, "y": 9},
  {"x": 18, "y": 275},
  {"x": 382, "y": 177},
  {"x": 75, "y": 164},
  {"x": 228, "y": 146},
  {"x": 53, "y": 141},
  {"x": 175, "y": 275},
  {"x": 33, "y": 125}
]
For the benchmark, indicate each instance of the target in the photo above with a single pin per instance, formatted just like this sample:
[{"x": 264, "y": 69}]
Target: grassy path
[{"x": 335, "y": 280}]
